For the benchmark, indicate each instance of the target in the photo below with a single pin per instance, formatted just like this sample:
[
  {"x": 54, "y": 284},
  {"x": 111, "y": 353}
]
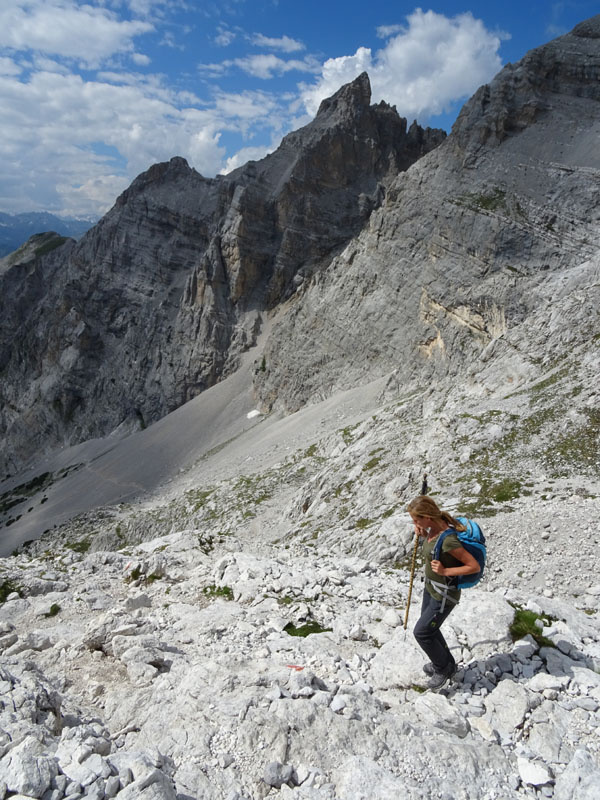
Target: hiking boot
[
  {"x": 440, "y": 679},
  {"x": 429, "y": 669}
]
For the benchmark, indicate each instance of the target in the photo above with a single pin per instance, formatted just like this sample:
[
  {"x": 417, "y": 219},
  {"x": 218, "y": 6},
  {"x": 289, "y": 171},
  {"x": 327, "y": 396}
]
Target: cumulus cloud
[
  {"x": 284, "y": 43},
  {"x": 51, "y": 122},
  {"x": 433, "y": 62},
  {"x": 244, "y": 155},
  {"x": 91, "y": 197},
  {"x": 267, "y": 65},
  {"x": 336, "y": 72},
  {"x": 71, "y": 142},
  {"x": 88, "y": 34}
]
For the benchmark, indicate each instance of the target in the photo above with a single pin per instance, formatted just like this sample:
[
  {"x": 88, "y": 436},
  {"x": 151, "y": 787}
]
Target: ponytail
[{"x": 451, "y": 522}]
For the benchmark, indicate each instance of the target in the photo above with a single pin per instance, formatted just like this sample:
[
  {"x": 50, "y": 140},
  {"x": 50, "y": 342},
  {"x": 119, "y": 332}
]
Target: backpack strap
[
  {"x": 438, "y": 586},
  {"x": 443, "y": 589},
  {"x": 437, "y": 550}
]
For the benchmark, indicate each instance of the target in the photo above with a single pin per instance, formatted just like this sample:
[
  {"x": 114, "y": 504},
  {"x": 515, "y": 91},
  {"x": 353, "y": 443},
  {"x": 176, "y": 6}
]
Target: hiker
[{"x": 439, "y": 594}]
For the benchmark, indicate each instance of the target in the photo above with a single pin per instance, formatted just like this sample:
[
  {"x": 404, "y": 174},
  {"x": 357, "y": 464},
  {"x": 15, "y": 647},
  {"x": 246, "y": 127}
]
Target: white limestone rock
[
  {"x": 507, "y": 705},
  {"x": 359, "y": 778},
  {"x": 435, "y": 710},
  {"x": 480, "y": 617},
  {"x": 398, "y": 663},
  {"x": 580, "y": 780},
  {"x": 534, "y": 773},
  {"x": 26, "y": 770}
]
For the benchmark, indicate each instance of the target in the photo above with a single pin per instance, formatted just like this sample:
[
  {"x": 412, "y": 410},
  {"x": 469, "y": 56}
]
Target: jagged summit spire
[
  {"x": 588, "y": 29},
  {"x": 352, "y": 97}
]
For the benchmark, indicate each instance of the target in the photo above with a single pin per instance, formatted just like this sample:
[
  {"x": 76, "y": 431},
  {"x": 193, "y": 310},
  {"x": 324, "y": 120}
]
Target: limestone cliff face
[
  {"x": 158, "y": 300},
  {"x": 468, "y": 258}
]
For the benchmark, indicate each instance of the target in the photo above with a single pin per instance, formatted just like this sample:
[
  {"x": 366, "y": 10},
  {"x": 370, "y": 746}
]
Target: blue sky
[{"x": 93, "y": 93}]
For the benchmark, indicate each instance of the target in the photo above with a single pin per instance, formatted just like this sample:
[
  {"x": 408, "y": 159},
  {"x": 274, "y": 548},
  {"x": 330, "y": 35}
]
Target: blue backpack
[{"x": 473, "y": 541}]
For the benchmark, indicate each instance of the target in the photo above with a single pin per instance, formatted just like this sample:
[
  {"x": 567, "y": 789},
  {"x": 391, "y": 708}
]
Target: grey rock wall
[
  {"x": 158, "y": 300},
  {"x": 452, "y": 264}
]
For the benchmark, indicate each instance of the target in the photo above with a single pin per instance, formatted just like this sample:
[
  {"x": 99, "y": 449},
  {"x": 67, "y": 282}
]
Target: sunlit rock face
[
  {"x": 472, "y": 249},
  {"x": 158, "y": 300}
]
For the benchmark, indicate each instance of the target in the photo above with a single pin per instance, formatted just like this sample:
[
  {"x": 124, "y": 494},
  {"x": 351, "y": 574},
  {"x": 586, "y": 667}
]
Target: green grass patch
[
  {"x": 348, "y": 433},
  {"x": 198, "y": 498},
  {"x": 305, "y": 630},
  {"x": 7, "y": 587},
  {"x": 343, "y": 487},
  {"x": 493, "y": 494},
  {"x": 524, "y": 623},
  {"x": 286, "y": 600},
  {"x": 363, "y": 522},
  {"x": 54, "y": 610},
  {"x": 82, "y": 546},
  {"x": 214, "y": 591},
  {"x": 50, "y": 246},
  {"x": 488, "y": 201}
]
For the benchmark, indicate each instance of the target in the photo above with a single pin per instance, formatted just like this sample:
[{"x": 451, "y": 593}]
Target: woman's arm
[{"x": 469, "y": 562}]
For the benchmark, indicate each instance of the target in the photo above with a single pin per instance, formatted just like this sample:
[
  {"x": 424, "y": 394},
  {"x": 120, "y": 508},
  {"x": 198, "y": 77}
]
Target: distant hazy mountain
[{"x": 15, "y": 229}]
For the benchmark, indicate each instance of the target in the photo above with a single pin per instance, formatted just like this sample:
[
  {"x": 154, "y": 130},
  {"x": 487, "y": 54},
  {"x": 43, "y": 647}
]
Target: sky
[{"x": 93, "y": 93}]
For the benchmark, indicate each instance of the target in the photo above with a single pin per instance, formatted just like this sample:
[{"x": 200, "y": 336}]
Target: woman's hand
[
  {"x": 421, "y": 530},
  {"x": 437, "y": 567}
]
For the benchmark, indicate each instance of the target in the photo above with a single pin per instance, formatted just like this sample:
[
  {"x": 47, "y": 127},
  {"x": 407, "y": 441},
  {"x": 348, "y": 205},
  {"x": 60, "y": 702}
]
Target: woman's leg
[{"x": 429, "y": 636}]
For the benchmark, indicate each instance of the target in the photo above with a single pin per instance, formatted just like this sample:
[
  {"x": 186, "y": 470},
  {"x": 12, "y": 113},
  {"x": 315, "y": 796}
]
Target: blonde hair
[{"x": 424, "y": 506}]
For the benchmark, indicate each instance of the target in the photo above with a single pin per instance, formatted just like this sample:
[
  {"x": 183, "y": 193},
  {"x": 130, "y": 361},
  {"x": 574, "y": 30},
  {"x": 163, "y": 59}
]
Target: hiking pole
[{"x": 412, "y": 577}]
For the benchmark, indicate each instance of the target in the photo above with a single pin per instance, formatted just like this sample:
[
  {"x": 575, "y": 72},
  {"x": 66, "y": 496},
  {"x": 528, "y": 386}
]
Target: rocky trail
[{"x": 169, "y": 669}]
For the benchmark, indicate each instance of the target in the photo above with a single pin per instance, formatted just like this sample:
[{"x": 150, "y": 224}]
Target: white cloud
[
  {"x": 244, "y": 155},
  {"x": 145, "y": 8},
  {"x": 95, "y": 195},
  {"x": 51, "y": 122},
  {"x": 71, "y": 144},
  {"x": 267, "y": 65},
  {"x": 335, "y": 73},
  {"x": 140, "y": 59},
  {"x": 245, "y": 105},
  {"x": 9, "y": 67},
  {"x": 64, "y": 28},
  {"x": 284, "y": 43},
  {"x": 432, "y": 63},
  {"x": 224, "y": 37},
  {"x": 214, "y": 70},
  {"x": 169, "y": 40},
  {"x": 385, "y": 31}
]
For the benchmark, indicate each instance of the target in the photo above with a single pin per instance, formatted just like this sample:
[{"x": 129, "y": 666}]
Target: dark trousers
[{"x": 428, "y": 634}]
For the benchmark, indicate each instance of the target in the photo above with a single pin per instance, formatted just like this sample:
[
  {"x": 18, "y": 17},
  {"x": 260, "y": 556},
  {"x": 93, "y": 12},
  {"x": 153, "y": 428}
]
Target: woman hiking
[{"x": 439, "y": 594}]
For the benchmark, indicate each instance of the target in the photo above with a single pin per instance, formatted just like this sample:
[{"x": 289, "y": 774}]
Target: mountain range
[{"x": 16, "y": 229}]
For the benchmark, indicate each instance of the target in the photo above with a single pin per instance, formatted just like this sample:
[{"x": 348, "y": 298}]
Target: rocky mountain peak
[
  {"x": 523, "y": 93},
  {"x": 161, "y": 297},
  {"x": 352, "y": 98},
  {"x": 588, "y": 29}
]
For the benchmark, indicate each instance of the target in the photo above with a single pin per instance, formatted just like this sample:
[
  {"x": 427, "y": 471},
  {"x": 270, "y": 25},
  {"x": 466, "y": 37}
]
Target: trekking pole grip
[{"x": 412, "y": 577}]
